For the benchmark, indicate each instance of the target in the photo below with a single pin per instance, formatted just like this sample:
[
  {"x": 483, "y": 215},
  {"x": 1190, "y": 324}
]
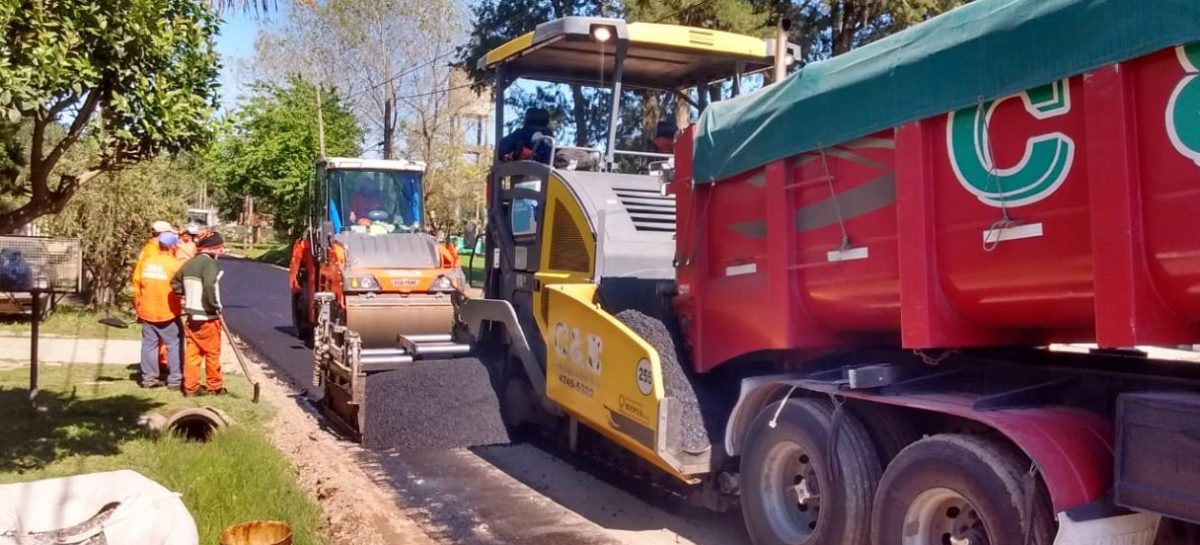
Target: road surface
[{"x": 432, "y": 437}]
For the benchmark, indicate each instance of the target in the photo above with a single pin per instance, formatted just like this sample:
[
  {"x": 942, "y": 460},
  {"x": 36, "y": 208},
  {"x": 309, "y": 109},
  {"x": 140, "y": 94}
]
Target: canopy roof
[
  {"x": 662, "y": 57},
  {"x": 984, "y": 50}
]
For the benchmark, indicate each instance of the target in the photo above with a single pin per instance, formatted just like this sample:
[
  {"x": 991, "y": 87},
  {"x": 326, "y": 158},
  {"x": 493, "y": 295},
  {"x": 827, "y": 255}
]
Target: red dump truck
[{"x": 877, "y": 253}]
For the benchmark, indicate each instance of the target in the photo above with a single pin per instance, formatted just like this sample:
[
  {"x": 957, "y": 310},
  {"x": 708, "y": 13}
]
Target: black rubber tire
[
  {"x": 888, "y": 429},
  {"x": 989, "y": 474},
  {"x": 517, "y": 399},
  {"x": 845, "y": 512}
]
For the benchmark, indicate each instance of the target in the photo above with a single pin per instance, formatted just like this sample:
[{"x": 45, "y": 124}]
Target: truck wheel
[
  {"x": 788, "y": 495},
  {"x": 889, "y": 431},
  {"x": 954, "y": 488}
]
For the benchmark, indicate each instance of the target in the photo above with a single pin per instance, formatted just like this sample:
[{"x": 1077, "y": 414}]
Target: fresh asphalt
[{"x": 435, "y": 435}]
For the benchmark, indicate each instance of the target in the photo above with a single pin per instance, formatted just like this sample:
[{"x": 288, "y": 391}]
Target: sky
[{"x": 235, "y": 43}]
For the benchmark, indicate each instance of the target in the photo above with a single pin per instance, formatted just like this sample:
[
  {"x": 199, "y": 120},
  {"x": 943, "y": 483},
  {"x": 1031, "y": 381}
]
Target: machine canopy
[
  {"x": 658, "y": 56},
  {"x": 984, "y": 50}
]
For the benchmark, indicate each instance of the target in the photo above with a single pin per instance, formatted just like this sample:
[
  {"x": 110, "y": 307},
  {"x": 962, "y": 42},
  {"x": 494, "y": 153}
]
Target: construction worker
[
  {"x": 664, "y": 137},
  {"x": 150, "y": 249},
  {"x": 366, "y": 200},
  {"x": 187, "y": 241},
  {"x": 527, "y": 142},
  {"x": 197, "y": 282},
  {"x": 158, "y": 310},
  {"x": 300, "y": 252}
]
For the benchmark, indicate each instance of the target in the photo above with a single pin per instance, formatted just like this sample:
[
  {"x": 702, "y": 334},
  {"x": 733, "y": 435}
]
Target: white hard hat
[
  {"x": 161, "y": 226},
  {"x": 192, "y": 228}
]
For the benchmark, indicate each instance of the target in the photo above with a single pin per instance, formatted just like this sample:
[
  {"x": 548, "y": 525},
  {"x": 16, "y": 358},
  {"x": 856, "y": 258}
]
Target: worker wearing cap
[
  {"x": 187, "y": 241},
  {"x": 149, "y": 249},
  {"x": 197, "y": 282},
  {"x": 158, "y": 310}
]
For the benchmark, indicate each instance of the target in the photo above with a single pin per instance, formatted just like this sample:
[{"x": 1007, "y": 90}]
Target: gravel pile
[
  {"x": 703, "y": 411},
  {"x": 433, "y": 404}
]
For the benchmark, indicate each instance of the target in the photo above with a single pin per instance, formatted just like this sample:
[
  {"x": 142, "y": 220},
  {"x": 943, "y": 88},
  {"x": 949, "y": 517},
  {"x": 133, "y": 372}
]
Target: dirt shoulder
[{"x": 356, "y": 508}]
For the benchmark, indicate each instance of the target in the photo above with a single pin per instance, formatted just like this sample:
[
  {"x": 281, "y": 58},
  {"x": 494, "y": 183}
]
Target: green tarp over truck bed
[{"x": 984, "y": 50}]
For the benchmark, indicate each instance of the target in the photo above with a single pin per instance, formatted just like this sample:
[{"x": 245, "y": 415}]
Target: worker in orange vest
[
  {"x": 150, "y": 249},
  {"x": 158, "y": 309}
]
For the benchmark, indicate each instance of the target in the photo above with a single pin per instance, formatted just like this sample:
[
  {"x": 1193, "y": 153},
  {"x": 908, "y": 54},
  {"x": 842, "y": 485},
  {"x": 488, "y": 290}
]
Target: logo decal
[
  {"x": 1043, "y": 168},
  {"x": 1183, "y": 111}
]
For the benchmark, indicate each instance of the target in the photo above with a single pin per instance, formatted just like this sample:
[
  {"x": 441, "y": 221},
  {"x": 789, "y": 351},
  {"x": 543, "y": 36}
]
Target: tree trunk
[
  {"x": 580, "y": 114},
  {"x": 51, "y": 203},
  {"x": 389, "y": 130},
  {"x": 651, "y": 114}
]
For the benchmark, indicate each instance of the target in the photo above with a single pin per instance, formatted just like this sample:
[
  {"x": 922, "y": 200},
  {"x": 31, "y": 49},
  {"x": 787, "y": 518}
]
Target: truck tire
[
  {"x": 953, "y": 488},
  {"x": 788, "y": 495},
  {"x": 889, "y": 431}
]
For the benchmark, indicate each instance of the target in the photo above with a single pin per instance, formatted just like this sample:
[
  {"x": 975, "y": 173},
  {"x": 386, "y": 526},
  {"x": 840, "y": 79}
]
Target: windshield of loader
[{"x": 375, "y": 201}]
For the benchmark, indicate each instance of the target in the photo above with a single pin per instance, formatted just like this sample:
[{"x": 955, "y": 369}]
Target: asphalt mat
[
  {"x": 436, "y": 404},
  {"x": 431, "y": 404}
]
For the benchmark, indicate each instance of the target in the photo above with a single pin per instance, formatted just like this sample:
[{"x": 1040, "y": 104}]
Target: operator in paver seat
[
  {"x": 158, "y": 310},
  {"x": 527, "y": 142},
  {"x": 664, "y": 137},
  {"x": 197, "y": 282}
]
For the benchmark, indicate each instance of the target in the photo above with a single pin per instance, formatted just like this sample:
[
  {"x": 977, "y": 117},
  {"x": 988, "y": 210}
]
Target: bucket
[{"x": 259, "y": 532}]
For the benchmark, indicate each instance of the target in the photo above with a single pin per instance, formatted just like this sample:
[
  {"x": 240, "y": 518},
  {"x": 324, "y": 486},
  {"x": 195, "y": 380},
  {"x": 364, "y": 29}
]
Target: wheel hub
[
  {"x": 791, "y": 492},
  {"x": 940, "y": 516}
]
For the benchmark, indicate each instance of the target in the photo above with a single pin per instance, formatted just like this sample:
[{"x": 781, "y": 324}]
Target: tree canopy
[
  {"x": 135, "y": 78},
  {"x": 273, "y": 144}
]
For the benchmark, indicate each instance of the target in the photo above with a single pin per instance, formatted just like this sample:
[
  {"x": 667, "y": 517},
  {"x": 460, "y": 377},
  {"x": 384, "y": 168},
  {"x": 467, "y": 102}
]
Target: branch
[
  {"x": 62, "y": 105},
  {"x": 81, "y": 120}
]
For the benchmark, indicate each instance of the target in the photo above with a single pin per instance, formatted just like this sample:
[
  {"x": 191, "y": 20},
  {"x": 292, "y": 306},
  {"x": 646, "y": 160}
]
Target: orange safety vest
[
  {"x": 149, "y": 249},
  {"x": 157, "y": 302}
]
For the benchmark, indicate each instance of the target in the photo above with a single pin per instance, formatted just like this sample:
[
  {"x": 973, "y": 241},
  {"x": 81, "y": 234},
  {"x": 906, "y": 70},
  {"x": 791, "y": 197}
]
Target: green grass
[
  {"x": 75, "y": 322},
  {"x": 274, "y": 253},
  {"x": 88, "y": 423},
  {"x": 473, "y": 268}
]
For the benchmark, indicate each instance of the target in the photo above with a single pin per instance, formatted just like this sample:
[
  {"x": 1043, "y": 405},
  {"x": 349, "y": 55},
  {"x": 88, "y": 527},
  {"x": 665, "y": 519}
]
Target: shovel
[{"x": 237, "y": 352}]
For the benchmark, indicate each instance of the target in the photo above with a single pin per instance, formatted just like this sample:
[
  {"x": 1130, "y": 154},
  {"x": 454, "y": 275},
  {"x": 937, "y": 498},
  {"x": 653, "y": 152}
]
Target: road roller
[{"x": 371, "y": 287}]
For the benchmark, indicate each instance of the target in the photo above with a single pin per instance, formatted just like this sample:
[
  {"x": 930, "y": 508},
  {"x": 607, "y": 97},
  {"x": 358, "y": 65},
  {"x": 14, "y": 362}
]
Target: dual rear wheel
[{"x": 813, "y": 475}]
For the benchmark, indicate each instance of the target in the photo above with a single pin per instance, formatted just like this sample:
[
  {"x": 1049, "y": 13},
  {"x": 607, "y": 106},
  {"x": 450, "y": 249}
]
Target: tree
[
  {"x": 379, "y": 52},
  {"x": 112, "y": 218},
  {"x": 274, "y": 145},
  {"x": 497, "y": 21},
  {"x": 136, "y": 77},
  {"x": 825, "y": 28}
]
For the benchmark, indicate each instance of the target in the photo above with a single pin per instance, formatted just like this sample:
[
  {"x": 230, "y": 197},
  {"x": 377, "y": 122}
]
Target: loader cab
[{"x": 366, "y": 196}]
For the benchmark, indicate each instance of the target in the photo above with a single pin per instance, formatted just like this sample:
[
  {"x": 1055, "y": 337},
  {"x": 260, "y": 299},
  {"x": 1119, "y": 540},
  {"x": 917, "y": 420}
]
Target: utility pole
[{"x": 320, "y": 124}]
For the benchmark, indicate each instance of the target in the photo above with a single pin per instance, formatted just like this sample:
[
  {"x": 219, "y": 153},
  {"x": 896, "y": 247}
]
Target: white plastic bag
[{"x": 113, "y": 508}]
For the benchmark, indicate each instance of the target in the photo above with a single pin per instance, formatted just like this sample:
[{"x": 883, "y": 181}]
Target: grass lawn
[
  {"x": 88, "y": 423},
  {"x": 76, "y": 322},
  {"x": 473, "y": 268},
  {"x": 274, "y": 253}
]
